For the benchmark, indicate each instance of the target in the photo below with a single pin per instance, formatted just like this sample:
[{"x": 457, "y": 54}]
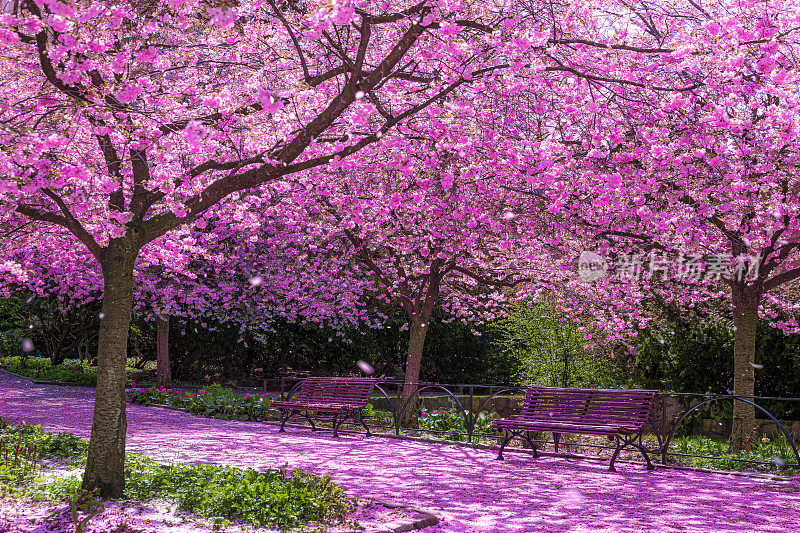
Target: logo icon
[{"x": 591, "y": 266}]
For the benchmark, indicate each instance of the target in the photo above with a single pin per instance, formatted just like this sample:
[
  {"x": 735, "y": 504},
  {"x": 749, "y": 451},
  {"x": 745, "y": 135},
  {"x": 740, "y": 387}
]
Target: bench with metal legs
[
  {"x": 616, "y": 413},
  {"x": 341, "y": 398}
]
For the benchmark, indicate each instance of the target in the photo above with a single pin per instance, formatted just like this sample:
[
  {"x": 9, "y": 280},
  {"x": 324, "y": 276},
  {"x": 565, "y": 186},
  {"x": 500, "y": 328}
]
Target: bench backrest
[
  {"x": 625, "y": 408},
  {"x": 354, "y": 392}
]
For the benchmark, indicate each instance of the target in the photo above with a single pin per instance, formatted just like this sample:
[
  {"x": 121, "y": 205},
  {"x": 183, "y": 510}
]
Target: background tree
[{"x": 552, "y": 349}]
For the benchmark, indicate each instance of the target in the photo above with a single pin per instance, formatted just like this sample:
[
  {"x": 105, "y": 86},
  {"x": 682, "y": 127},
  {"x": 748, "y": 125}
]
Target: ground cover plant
[
  {"x": 776, "y": 453},
  {"x": 276, "y": 498},
  {"x": 449, "y": 424},
  {"x": 214, "y": 401},
  {"x": 26, "y": 448},
  {"x": 70, "y": 371}
]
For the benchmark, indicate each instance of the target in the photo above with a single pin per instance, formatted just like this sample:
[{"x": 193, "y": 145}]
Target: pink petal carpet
[{"x": 466, "y": 487}]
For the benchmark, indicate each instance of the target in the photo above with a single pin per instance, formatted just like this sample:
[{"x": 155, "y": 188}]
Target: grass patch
[
  {"x": 71, "y": 371},
  {"x": 776, "y": 453},
  {"x": 25, "y": 448},
  {"x": 277, "y": 498}
]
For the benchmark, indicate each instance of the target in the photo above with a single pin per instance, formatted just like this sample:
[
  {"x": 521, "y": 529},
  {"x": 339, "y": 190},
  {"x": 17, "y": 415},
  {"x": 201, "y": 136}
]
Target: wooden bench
[
  {"x": 618, "y": 414},
  {"x": 341, "y": 398}
]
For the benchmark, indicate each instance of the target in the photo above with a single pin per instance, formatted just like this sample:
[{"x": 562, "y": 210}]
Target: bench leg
[
  {"x": 637, "y": 443},
  {"x": 644, "y": 453},
  {"x": 531, "y": 444},
  {"x": 615, "y": 454},
  {"x": 361, "y": 419},
  {"x": 310, "y": 420},
  {"x": 285, "y": 415},
  {"x": 621, "y": 443},
  {"x": 509, "y": 436},
  {"x": 336, "y": 423},
  {"x": 556, "y": 438}
]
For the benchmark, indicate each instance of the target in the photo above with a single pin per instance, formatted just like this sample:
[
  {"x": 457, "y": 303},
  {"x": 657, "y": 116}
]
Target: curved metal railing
[{"x": 659, "y": 426}]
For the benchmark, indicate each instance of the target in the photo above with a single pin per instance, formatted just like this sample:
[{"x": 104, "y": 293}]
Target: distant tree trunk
[
  {"x": 416, "y": 342},
  {"x": 57, "y": 358},
  {"x": 105, "y": 463},
  {"x": 745, "y": 318},
  {"x": 163, "y": 372}
]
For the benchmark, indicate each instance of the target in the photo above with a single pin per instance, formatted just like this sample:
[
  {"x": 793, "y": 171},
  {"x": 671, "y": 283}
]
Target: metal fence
[{"x": 673, "y": 415}]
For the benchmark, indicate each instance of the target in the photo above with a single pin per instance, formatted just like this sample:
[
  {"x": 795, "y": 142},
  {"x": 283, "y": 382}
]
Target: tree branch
[
  {"x": 76, "y": 229},
  {"x": 503, "y": 282},
  {"x": 780, "y": 279}
]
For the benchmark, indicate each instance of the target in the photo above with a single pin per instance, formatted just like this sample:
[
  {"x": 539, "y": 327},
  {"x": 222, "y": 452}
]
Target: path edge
[{"x": 426, "y": 519}]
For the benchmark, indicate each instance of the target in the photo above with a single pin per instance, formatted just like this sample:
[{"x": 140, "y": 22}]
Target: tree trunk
[
  {"x": 745, "y": 318},
  {"x": 163, "y": 373},
  {"x": 416, "y": 342},
  {"x": 105, "y": 464}
]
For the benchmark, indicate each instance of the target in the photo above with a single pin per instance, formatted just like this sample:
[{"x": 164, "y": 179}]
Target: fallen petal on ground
[{"x": 466, "y": 487}]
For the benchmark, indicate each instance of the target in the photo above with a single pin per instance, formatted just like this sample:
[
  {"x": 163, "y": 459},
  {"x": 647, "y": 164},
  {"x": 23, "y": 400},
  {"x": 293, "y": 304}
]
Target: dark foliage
[
  {"x": 692, "y": 357},
  {"x": 453, "y": 353}
]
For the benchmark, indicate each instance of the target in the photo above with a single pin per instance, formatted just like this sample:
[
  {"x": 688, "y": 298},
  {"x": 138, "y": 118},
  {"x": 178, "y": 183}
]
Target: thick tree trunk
[
  {"x": 416, "y": 342},
  {"x": 105, "y": 464},
  {"x": 163, "y": 373},
  {"x": 745, "y": 318}
]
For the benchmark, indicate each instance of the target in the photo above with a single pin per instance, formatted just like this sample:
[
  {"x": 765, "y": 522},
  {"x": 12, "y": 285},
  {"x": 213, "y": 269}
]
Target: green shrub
[
  {"x": 449, "y": 424},
  {"x": 551, "y": 349},
  {"x": 11, "y": 342},
  {"x": 381, "y": 417},
  {"x": 687, "y": 356}
]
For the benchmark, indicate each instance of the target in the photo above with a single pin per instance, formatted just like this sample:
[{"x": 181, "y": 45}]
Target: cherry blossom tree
[
  {"x": 679, "y": 144},
  {"x": 123, "y": 122},
  {"x": 432, "y": 228}
]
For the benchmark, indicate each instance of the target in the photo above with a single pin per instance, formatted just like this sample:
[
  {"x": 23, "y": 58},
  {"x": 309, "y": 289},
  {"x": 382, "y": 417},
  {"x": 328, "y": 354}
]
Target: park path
[{"x": 466, "y": 487}]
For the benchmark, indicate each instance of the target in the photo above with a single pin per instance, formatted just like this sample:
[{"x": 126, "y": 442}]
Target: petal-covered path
[{"x": 466, "y": 487}]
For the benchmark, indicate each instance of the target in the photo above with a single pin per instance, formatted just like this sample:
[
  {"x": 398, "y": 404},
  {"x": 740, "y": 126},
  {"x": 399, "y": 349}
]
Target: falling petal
[
  {"x": 102, "y": 316},
  {"x": 777, "y": 460},
  {"x": 365, "y": 367},
  {"x": 756, "y": 366},
  {"x": 573, "y": 498},
  {"x": 255, "y": 281},
  {"x": 27, "y": 345}
]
